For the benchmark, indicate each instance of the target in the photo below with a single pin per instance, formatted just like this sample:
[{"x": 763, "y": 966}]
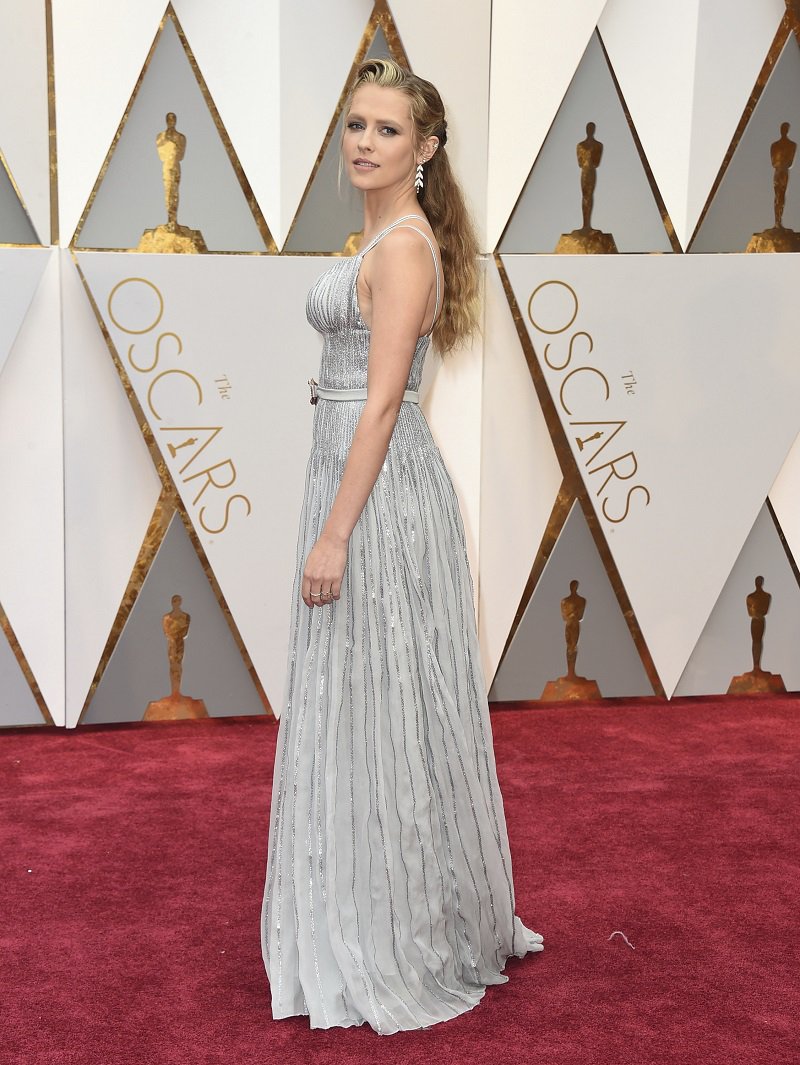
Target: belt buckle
[{"x": 312, "y": 384}]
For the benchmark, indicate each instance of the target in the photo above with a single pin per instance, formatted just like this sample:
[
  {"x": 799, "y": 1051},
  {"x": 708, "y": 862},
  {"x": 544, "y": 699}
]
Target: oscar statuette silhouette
[
  {"x": 172, "y": 238},
  {"x": 757, "y": 680},
  {"x": 174, "y": 706},
  {"x": 571, "y": 687},
  {"x": 586, "y": 240},
  {"x": 778, "y": 238}
]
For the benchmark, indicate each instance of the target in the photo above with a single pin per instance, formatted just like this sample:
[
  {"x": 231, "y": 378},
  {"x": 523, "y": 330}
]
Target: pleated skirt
[{"x": 389, "y": 896}]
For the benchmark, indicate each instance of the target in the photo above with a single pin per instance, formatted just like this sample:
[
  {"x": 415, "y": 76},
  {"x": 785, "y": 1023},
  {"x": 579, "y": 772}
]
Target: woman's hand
[{"x": 324, "y": 570}]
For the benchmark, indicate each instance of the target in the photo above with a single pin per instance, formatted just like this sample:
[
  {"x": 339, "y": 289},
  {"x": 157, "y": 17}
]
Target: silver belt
[{"x": 351, "y": 393}]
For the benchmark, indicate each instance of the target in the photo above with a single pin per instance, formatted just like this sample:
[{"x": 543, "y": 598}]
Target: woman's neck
[{"x": 381, "y": 209}]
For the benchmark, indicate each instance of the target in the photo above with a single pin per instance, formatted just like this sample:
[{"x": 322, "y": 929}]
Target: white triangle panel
[
  {"x": 686, "y": 71},
  {"x": 24, "y": 136},
  {"x": 732, "y": 43},
  {"x": 318, "y": 41},
  {"x": 462, "y": 77},
  {"x": 98, "y": 60},
  {"x": 111, "y": 488},
  {"x": 237, "y": 47},
  {"x": 744, "y": 203},
  {"x": 221, "y": 373},
  {"x": 520, "y": 475},
  {"x": 534, "y": 52},
  {"x": 452, "y": 394},
  {"x": 20, "y": 273},
  {"x": 785, "y": 498},
  {"x": 724, "y": 650},
  {"x": 674, "y": 380},
  {"x": 31, "y": 484},
  {"x": 652, "y": 51}
]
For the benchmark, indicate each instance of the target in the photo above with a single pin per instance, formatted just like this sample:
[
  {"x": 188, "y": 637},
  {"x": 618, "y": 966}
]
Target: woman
[{"x": 389, "y": 896}]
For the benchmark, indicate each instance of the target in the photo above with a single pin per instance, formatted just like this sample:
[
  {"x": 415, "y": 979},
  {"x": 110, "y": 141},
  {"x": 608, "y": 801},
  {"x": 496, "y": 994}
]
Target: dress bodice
[{"x": 332, "y": 309}]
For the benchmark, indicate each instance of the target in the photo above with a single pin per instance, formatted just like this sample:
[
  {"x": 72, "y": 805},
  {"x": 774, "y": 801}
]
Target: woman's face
[{"x": 378, "y": 143}]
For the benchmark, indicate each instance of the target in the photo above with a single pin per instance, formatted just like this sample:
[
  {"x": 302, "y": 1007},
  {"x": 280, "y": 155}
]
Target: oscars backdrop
[{"x": 621, "y": 434}]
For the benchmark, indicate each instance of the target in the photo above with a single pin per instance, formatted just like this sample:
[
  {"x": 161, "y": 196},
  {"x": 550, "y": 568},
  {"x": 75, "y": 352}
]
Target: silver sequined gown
[{"x": 389, "y": 896}]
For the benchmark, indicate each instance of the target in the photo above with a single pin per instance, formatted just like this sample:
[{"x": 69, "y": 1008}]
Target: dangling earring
[{"x": 418, "y": 179}]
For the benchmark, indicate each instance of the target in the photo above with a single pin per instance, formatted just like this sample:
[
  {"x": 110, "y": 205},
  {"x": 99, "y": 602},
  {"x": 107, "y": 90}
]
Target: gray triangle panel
[
  {"x": 744, "y": 202},
  {"x": 332, "y": 209},
  {"x": 15, "y": 226},
  {"x": 724, "y": 649},
  {"x": 138, "y": 672},
  {"x": 131, "y": 199},
  {"x": 550, "y": 202},
  {"x": 17, "y": 704},
  {"x": 606, "y": 652}
]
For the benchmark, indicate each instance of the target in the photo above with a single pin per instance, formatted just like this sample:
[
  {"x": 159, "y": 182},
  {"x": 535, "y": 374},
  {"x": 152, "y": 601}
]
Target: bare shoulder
[
  {"x": 404, "y": 254},
  {"x": 406, "y": 245},
  {"x": 401, "y": 270}
]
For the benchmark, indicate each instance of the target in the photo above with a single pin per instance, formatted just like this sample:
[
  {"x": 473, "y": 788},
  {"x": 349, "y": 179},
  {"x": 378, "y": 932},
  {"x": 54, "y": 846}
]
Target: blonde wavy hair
[{"x": 441, "y": 199}]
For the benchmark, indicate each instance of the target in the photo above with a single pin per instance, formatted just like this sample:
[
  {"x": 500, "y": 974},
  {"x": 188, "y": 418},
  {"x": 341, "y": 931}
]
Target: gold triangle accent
[
  {"x": 774, "y": 53},
  {"x": 51, "y": 121},
  {"x": 790, "y": 557},
  {"x": 170, "y": 498},
  {"x": 574, "y": 483},
  {"x": 380, "y": 18},
  {"x": 249, "y": 195},
  {"x": 22, "y": 661}
]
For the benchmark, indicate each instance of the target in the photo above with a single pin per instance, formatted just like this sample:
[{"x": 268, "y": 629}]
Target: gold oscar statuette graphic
[
  {"x": 172, "y": 237},
  {"x": 353, "y": 243},
  {"x": 175, "y": 705},
  {"x": 758, "y": 680},
  {"x": 587, "y": 241},
  {"x": 571, "y": 687},
  {"x": 778, "y": 238}
]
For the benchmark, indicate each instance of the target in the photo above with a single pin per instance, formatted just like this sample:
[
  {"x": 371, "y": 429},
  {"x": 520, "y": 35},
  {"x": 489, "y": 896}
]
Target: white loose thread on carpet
[{"x": 624, "y": 937}]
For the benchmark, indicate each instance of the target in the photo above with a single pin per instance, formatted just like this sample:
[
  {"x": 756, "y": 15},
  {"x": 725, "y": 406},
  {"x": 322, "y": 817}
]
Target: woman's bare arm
[{"x": 400, "y": 279}]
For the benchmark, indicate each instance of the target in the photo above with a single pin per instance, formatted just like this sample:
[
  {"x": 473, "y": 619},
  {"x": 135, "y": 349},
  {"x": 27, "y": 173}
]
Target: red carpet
[{"x": 132, "y": 866}]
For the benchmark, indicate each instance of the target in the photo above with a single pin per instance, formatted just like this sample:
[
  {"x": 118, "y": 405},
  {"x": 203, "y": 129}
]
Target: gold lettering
[
  {"x": 154, "y": 363},
  {"x": 209, "y": 475},
  {"x": 587, "y": 438},
  {"x": 131, "y": 281},
  {"x": 561, "y": 329},
  {"x": 224, "y": 525},
  {"x": 214, "y": 431},
  {"x": 571, "y": 374},
  {"x": 565, "y": 364},
  {"x": 612, "y": 465},
  {"x": 167, "y": 373},
  {"x": 636, "y": 488}
]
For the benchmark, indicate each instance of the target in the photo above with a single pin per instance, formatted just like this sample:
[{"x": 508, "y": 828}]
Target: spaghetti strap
[{"x": 404, "y": 223}]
